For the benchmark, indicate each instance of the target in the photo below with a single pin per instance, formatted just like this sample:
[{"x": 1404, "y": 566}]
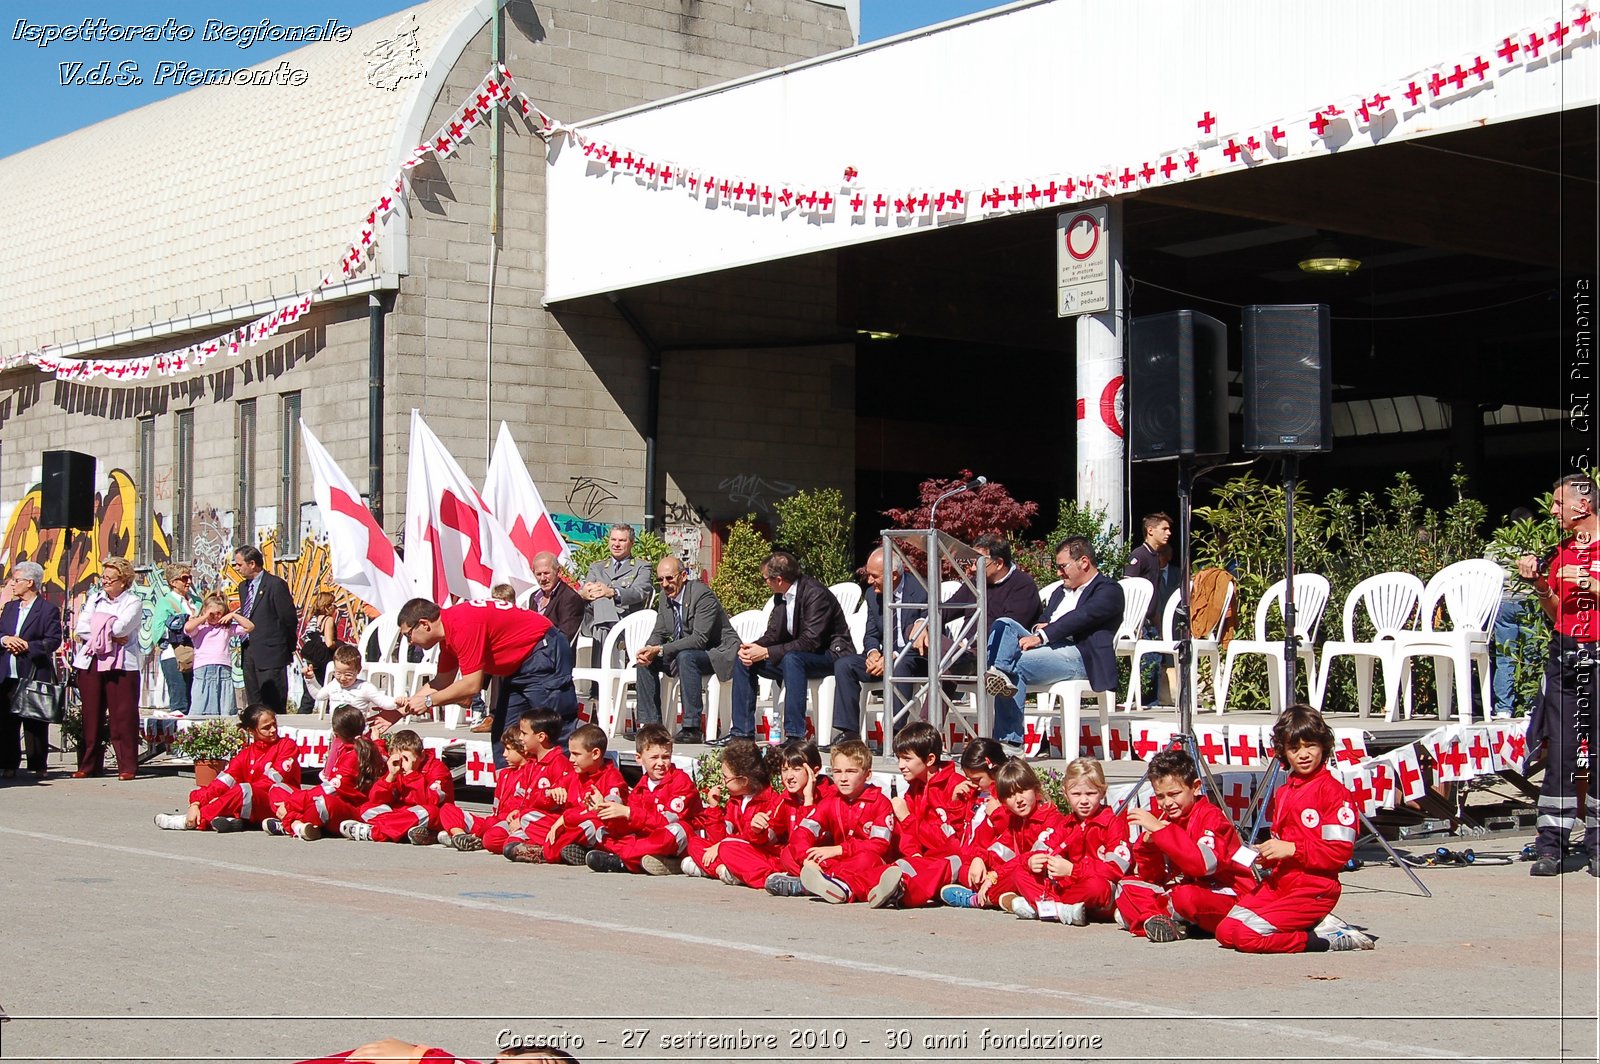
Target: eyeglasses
[{"x": 1062, "y": 567}]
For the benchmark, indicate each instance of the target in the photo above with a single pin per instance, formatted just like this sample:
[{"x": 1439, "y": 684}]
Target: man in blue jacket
[{"x": 1073, "y": 639}]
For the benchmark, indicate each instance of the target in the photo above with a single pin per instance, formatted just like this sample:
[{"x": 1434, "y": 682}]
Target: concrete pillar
[{"x": 1101, "y": 438}]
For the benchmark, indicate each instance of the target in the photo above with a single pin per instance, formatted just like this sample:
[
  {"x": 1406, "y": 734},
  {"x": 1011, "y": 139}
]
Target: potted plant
[{"x": 210, "y": 744}]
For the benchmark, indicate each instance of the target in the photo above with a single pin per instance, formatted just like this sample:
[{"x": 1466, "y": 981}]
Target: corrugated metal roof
[{"x": 222, "y": 195}]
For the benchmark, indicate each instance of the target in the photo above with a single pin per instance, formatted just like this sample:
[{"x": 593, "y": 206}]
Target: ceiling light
[
  {"x": 1325, "y": 257},
  {"x": 871, "y": 334}
]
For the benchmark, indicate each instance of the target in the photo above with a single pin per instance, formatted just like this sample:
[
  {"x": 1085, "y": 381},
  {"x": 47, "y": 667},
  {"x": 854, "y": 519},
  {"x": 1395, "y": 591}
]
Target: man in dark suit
[
  {"x": 853, "y": 670},
  {"x": 265, "y": 656},
  {"x": 693, "y": 638},
  {"x": 30, "y": 632},
  {"x": 806, "y": 632},
  {"x": 554, "y": 597},
  {"x": 1073, "y": 641}
]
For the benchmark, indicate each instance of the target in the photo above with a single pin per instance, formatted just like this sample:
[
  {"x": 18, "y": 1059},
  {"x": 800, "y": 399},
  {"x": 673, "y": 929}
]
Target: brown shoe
[
  {"x": 486, "y": 724},
  {"x": 124, "y": 776}
]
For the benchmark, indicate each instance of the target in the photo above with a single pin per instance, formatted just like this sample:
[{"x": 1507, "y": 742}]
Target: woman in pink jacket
[{"x": 107, "y": 665}]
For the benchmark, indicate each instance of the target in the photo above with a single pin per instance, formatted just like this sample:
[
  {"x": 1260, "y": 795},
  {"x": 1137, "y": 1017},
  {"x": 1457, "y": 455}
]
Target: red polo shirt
[
  {"x": 492, "y": 636},
  {"x": 1578, "y": 611}
]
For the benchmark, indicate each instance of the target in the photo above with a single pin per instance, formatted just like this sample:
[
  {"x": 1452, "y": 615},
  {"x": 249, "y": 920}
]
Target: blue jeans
[
  {"x": 796, "y": 668},
  {"x": 1508, "y": 628},
  {"x": 213, "y": 692},
  {"x": 1041, "y": 666},
  {"x": 177, "y": 685},
  {"x": 693, "y": 666}
]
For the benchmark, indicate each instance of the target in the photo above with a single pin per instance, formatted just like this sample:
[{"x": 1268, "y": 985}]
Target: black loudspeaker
[
  {"x": 1177, "y": 386},
  {"x": 68, "y": 490},
  {"x": 1288, "y": 386}
]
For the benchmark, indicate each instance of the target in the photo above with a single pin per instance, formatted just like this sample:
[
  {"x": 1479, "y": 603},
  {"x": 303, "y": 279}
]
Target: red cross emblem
[
  {"x": 1319, "y": 124},
  {"x": 1436, "y": 83},
  {"x": 1144, "y": 744},
  {"x": 320, "y": 750},
  {"x": 1147, "y": 172},
  {"x": 1454, "y": 757},
  {"x": 1119, "y": 744},
  {"x": 827, "y": 201},
  {"x": 1558, "y": 34},
  {"x": 1381, "y": 783},
  {"x": 849, "y": 173},
  {"x": 1349, "y": 752},
  {"x": 1508, "y": 49},
  {"x": 855, "y": 203},
  {"x": 1168, "y": 167},
  {"x": 1237, "y": 799},
  {"x": 456, "y": 129},
  {"x": 1210, "y": 749},
  {"x": 1479, "y": 751},
  {"x": 1459, "y": 78},
  {"x": 1089, "y": 742},
  {"x": 1479, "y": 67},
  {"x": 1360, "y": 791},
  {"x": 1128, "y": 177},
  {"x": 1207, "y": 121},
  {"x": 1517, "y": 746},
  {"x": 1277, "y": 134},
  {"x": 1581, "y": 20},
  {"x": 666, "y": 173},
  {"x": 1232, "y": 150},
  {"x": 379, "y": 551},
  {"x": 1243, "y": 750},
  {"x": 1413, "y": 92},
  {"x": 1192, "y": 161},
  {"x": 1410, "y": 778}
]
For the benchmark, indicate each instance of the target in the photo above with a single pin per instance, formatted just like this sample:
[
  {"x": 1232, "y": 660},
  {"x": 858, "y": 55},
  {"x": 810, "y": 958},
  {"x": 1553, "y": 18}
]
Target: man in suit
[
  {"x": 30, "y": 632},
  {"x": 806, "y": 632},
  {"x": 613, "y": 589},
  {"x": 554, "y": 597},
  {"x": 693, "y": 638},
  {"x": 265, "y": 655},
  {"x": 853, "y": 670},
  {"x": 1074, "y": 640}
]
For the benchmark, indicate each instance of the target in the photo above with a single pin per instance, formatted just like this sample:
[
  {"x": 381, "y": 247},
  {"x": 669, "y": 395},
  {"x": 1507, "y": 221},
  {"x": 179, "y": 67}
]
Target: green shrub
[
  {"x": 738, "y": 581},
  {"x": 816, "y": 528},
  {"x": 647, "y": 547},
  {"x": 1537, "y": 536}
]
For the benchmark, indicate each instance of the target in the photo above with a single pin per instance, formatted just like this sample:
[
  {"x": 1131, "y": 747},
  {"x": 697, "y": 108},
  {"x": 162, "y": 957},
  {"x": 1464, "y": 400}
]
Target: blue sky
[{"x": 35, "y": 105}]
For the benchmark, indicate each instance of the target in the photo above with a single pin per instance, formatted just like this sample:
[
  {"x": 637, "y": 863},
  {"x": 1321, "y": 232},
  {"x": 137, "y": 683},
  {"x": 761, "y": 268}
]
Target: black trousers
[
  {"x": 17, "y": 734},
  {"x": 268, "y": 686},
  {"x": 1564, "y": 721}
]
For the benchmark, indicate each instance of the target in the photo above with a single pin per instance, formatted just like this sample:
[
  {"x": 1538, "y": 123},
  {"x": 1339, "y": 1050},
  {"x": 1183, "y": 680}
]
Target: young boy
[
  {"x": 1183, "y": 862},
  {"x": 651, "y": 831},
  {"x": 550, "y": 782},
  {"x": 843, "y": 840},
  {"x": 512, "y": 789},
  {"x": 929, "y": 822},
  {"x": 346, "y": 689},
  {"x": 1313, "y": 835},
  {"x": 405, "y": 804},
  {"x": 596, "y": 781}
]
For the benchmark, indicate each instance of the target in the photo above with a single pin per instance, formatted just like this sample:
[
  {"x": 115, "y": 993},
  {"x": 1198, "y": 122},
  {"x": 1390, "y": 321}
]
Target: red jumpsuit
[
  {"x": 765, "y": 857},
  {"x": 658, "y": 820},
  {"x": 929, "y": 838},
  {"x": 863, "y": 826},
  {"x": 1186, "y": 869},
  {"x": 1315, "y": 813},
  {"x": 338, "y": 797},
  {"x": 730, "y": 829},
  {"x": 539, "y": 811},
  {"x": 396, "y": 806},
  {"x": 259, "y": 777},
  {"x": 1015, "y": 838},
  {"x": 512, "y": 790},
  {"x": 580, "y": 824},
  {"x": 1100, "y": 854}
]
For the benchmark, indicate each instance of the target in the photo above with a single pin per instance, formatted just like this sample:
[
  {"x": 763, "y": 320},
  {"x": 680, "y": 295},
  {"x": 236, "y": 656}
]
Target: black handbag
[{"x": 41, "y": 700}]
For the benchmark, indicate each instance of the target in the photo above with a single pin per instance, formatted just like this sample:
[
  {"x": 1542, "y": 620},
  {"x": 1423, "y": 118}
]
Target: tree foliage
[
  {"x": 816, "y": 528},
  {"x": 738, "y": 582},
  {"x": 969, "y": 514}
]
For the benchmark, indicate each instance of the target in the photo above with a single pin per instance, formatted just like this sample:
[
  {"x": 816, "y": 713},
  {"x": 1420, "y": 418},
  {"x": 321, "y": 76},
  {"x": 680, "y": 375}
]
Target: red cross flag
[
  {"x": 1513, "y": 747},
  {"x": 1358, "y": 778},
  {"x": 1212, "y": 743},
  {"x": 1118, "y": 748},
  {"x": 1244, "y": 744},
  {"x": 1449, "y": 758},
  {"x": 454, "y": 545},
  {"x": 1349, "y": 745},
  {"x": 362, "y": 559},
  {"x": 1405, "y": 769},
  {"x": 514, "y": 499}
]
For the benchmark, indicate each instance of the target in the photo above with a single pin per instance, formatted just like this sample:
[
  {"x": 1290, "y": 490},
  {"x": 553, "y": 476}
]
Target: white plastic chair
[
  {"x": 849, "y": 596},
  {"x": 616, "y": 671},
  {"x": 719, "y": 693},
  {"x": 821, "y": 689},
  {"x": 1202, "y": 644},
  {"x": 1069, "y": 695},
  {"x": 1470, "y": 592},
  {"x": 1310, "y": 600},
  {"x": 948, "y": 588},
  {"x": 1390, "y": 601},
  {"x": 1050, "y": 589}
]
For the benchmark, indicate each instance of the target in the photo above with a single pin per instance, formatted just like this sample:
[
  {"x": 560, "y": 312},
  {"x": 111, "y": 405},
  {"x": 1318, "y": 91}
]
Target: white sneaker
[
  {"x": 172, "y": 822},
  {"x": 726, "y": 875},
  {"x": 356, "y": 831},
  {"x": 1346, "y": 938},
  {"x": 1328, "y": 926},
  {"x": 1019, "y": 906},
  {"x": 693, "y": 870},
  {"x": 308, "y": 832},
  {"x": 1075, "y": 915},
  {"x": 659, "y": 866}
]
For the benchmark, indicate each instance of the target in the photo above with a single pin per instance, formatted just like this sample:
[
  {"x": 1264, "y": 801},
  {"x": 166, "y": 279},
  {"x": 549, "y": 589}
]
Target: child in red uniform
[
  {"x": 1077, "y": 876},
  {"x": 1313, "y": 835},
  {"x": 265, "y": 772},
  {"x": 845, "y": 838},
  {"x": 651, "y": 832},
  {"x": 595, "y": 782},
  {"x": 551, "y": 781},
  {"x": 354, "y": 764},
  {"x": 768, "y": 855},
  {"x": 405, "y": 803},
  {"x": 1030, "y": 824},
  {"x": 980, "y": 761},
  {"x": 745, "y": 796},
  {"x": 930, "y": 818},
  {"x": 1183, "y": 862},
  {"x": 468, "y": 832}
]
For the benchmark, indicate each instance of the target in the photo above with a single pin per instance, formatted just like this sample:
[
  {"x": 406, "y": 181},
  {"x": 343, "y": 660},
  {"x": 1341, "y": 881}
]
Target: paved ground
[{"x": 124, "y": 942}]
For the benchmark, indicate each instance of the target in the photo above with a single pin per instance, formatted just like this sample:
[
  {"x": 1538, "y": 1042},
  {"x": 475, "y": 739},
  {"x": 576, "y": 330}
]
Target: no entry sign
[{"x": 1083, "y": 261}]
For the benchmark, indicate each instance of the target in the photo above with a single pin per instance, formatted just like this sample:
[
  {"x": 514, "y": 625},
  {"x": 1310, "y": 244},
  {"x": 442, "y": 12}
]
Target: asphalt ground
[{"x": 123, "y": 942}]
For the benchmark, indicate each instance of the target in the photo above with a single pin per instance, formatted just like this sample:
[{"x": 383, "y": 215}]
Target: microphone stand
[{"x": 933, "y": 511}]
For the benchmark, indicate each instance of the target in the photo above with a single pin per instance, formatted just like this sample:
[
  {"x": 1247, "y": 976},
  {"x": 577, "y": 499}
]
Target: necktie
[
  {"x": 616, "y": 567},
  {"x": 249, "y": 598},
  {"x": 677, "y": 618}
]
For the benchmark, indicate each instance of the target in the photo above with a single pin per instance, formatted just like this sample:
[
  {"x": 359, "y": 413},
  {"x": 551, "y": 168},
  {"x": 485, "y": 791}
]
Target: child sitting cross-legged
[
  {"x": 261, "y": 775},
  {"x": 1183, "y": 867},
  {"x": 405, "y": 803},
  {"x": 1030, "y": 824},
  {"x": 550, "y": 782},
  {"x": 595, "y": 782},
  {"x": 468, "y": 832},
  {"x": 930, "y": 818},
  {"x": 354, "y": 764},
  {"x": 768, "y": 854},
  {"x": 1075, "y": 877},
  {"x": 844, "y": 839},
  {"x": 746, "y": 802},
  {"x": 1313, "y": 835},
  {"x": 651, "y": 832}
]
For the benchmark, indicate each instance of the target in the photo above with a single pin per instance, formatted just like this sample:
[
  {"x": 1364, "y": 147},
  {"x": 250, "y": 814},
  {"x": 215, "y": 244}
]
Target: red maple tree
[{"x": 969, "y": 514}]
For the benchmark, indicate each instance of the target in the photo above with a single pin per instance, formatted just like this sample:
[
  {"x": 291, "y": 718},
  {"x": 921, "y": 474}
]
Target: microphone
[
  {"x": 975, "y": 483},
  {"x": 971, "y": 485}
]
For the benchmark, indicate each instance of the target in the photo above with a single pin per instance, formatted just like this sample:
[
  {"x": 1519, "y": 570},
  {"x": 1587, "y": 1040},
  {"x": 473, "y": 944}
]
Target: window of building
[
  {"x": 143, "y": 525},
  {"x": 289, "y": 474},
  {"x": 183, "y": 487},
  {"x": 245, "y": 449}
]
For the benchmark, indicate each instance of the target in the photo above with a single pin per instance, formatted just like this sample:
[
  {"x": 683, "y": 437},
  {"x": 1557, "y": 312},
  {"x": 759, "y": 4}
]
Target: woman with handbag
[
  {"x": 318, "y": 643},
  {"x": 107, "y": 666},
  {"x": 30, "y": 632},
  {"x": 173, "y": 610}
]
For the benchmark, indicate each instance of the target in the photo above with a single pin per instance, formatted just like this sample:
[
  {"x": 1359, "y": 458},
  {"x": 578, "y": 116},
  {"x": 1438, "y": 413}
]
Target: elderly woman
[
  {"x": 30, "y": 632},
  {"x": 177, "y": 663},
  {"x": 107, "y": 665}
]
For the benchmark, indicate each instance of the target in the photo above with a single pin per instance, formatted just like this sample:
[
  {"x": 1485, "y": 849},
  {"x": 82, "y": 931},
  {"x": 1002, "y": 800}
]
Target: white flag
[
  {"x": 363, "y": 560},
  {"x": 515, "y": 501}
]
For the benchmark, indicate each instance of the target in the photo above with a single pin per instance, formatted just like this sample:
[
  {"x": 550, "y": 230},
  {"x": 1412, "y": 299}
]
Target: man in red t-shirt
[
  {"x": 493, "y": 640},
  {"x": 1563, "y": 718}
]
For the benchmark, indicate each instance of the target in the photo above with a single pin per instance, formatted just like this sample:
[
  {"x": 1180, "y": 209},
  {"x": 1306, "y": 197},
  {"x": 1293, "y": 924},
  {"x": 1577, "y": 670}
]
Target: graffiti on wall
[
  {"x": 71, "y": 559},
  {"x": 754, "y": 492},
  {"x": 589, "y": 494}
]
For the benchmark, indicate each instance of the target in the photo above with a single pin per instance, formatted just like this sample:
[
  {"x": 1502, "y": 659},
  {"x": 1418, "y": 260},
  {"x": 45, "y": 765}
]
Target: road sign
[{"x": 1083, "y": 260}]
